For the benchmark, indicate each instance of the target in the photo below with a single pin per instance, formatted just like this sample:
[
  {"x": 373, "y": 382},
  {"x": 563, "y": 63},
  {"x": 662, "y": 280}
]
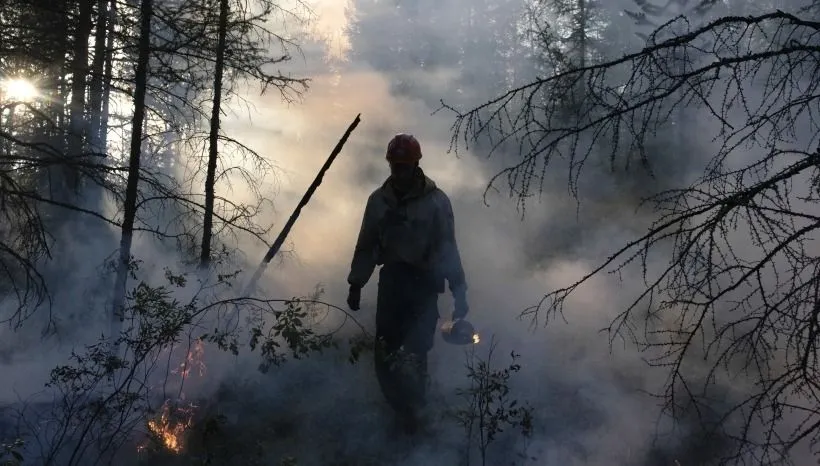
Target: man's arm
[{"x": 365, "y": 253}]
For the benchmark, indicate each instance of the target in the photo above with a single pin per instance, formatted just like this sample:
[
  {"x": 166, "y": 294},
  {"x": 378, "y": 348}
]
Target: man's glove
[
  {"x": 354, "y": 297},
  {"x": 460, "y": 305}
]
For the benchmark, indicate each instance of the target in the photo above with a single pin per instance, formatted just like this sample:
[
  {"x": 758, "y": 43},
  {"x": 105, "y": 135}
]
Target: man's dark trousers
[{"x": 406, "y": 321}]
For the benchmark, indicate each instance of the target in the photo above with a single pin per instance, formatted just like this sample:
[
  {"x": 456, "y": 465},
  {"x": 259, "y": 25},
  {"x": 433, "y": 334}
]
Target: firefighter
[{"x": 408, "y": 229}]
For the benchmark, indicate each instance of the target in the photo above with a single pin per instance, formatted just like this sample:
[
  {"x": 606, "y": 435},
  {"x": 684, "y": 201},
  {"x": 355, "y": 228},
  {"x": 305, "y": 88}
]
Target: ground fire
[{"x": 172, "y": 423}]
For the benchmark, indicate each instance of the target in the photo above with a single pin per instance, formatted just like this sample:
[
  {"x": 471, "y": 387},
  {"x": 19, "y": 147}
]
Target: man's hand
[
  {"x": 460, "y": 306},
  {"x": 354, "y": 297}
]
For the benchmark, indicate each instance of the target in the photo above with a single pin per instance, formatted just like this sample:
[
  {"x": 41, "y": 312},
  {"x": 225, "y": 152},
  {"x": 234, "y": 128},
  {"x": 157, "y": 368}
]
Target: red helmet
[{"x": 403, "y": 148}]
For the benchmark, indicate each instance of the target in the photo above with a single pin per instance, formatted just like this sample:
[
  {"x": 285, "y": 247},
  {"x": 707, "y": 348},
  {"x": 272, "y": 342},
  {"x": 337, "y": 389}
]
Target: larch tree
[{"x": 730, "y": 272}]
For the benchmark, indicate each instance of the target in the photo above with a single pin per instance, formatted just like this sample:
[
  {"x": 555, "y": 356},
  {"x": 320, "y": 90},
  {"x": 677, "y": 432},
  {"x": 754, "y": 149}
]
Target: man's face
[{"x": 403, "y": 174}]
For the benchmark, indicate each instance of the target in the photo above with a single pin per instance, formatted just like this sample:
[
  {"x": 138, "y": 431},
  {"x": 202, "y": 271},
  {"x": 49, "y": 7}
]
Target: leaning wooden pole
[{"x": 250, "y": 287}]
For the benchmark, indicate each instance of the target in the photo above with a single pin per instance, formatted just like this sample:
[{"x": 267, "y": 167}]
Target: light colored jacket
[{"x": 418, "y": 230}]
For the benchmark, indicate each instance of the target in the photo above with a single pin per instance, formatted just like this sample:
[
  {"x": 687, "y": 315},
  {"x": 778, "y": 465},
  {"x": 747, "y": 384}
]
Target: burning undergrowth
[
  {"x": 140, "y": 392},
  {"x": 169, "y": 429},
  {"x": 290, "y": 383},
  {"x": 187, "y": 383},
  {"x": 336, "y": 408},
  {"x": 286, "y": 371}
]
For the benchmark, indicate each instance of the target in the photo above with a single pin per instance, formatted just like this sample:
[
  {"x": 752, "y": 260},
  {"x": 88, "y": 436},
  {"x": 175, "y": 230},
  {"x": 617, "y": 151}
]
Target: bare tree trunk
[
  {"x": 79, "y": 72},
  {"x": 107, "y": 76},
  {"x": 213, "y": 152},
  {"x": 580, "y": 91},
  {"x": 582, "y": 26},
  {"x": 130, "y": 205},
  {"x": 95, "y": 92},
  {"x": 280, "y": 240}
]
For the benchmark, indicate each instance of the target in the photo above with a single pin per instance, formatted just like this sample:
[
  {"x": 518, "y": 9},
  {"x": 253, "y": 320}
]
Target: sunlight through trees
[{"x": 19, "y": 89}]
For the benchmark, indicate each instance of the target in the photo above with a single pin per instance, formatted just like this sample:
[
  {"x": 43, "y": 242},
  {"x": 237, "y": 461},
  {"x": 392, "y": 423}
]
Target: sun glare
[{"x": 19, "y": 89}]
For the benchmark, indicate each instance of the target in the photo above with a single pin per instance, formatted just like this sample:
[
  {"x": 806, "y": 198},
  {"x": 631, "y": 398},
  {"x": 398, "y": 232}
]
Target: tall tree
[
  {"x": 96, "y": 91},
  {"x": 134, "y": 156},
  {"x": 79, "y": 73},
  {"x": 577, "y": 23},
  {"x": 649, "y": 21},
  {"x": 213, "y": 139},
  {"x": 569, "y": 32},
  {"x": 33, "y": 54},
  {"x": 100, "y": 120}
]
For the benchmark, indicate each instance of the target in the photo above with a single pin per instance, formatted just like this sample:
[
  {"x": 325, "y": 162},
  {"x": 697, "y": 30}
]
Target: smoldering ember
[{"x": 409, "y": 232}]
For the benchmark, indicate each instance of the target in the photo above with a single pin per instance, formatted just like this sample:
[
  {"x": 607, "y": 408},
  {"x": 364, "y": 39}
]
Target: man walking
[{"x": 408, "y": 228}]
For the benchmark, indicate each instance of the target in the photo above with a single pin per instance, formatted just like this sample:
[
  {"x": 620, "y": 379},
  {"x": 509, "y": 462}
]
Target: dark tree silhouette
[
  {"x": 731, "y": 272},
  {"x": 134, "y": 159},
  {"x": 213, "y": 137}
]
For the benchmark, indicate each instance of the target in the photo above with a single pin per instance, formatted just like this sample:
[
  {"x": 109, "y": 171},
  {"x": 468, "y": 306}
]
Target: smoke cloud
[
  {"x": 590, "y": 399},
  {"x": 589, "y": 405}
]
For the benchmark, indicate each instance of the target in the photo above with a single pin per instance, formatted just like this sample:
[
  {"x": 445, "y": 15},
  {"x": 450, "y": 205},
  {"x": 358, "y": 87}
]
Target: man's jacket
[{"x": 417, "y": 230}]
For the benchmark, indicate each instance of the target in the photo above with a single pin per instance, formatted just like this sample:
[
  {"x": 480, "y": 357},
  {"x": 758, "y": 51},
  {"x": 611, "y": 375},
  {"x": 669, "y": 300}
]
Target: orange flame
[
  {"x": 171, "y": 433},
  {"x": 170, "y": 426},
  {"x": 194, "y": 358}
]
